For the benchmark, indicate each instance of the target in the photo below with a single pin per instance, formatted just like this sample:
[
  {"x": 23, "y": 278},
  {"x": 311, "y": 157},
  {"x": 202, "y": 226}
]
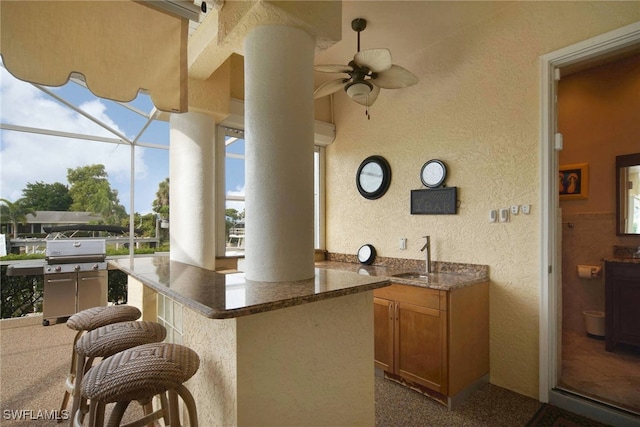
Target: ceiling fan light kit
[
  {"x": 369, "y": 71},
  {"x": 359, "y": 90}
]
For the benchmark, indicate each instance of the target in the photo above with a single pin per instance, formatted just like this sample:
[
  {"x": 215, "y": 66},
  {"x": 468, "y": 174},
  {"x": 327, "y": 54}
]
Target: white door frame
[{"x": 550, "y": 335}]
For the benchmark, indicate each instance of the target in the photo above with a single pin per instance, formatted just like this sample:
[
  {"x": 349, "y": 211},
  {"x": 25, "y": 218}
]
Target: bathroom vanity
[{"x": 622, "y": 302}]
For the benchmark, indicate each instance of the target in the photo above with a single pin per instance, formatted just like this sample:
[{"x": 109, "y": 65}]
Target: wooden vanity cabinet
[
  {"x": 622, "y": 304},
  {"x": 433, "y": 338}
]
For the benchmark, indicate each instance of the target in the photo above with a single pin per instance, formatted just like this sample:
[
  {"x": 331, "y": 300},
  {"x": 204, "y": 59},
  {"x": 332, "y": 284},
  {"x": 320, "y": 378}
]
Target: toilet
[{"x": 594, "y": 323}]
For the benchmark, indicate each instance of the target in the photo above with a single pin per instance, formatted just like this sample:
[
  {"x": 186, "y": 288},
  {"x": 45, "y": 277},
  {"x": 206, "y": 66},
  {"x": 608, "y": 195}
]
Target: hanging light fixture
[{"x": 359, "y": 90}]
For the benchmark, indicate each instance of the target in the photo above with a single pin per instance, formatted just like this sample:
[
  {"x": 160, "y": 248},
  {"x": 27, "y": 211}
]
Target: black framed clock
[
  {"x": 366, "y": 254},
  {"x": 433, "y": 173},
  {"x": 373, "y": 177}
]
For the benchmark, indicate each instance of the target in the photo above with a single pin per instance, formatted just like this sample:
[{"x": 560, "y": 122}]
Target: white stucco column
[
  {"x": 279, "y": 154},
  {"x": 192, "y": 189}
]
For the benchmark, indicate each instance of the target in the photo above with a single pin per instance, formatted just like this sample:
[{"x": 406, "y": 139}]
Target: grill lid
[{"x": 65, "y": 250}]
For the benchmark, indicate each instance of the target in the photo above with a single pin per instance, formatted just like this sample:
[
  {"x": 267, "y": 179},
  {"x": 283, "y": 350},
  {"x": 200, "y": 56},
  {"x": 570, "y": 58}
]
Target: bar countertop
[{"x": 220, "y": 295}]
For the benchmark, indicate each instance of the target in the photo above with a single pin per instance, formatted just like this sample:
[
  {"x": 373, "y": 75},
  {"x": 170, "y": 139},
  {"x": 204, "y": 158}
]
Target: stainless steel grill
[{"x": 75, "y": 277}]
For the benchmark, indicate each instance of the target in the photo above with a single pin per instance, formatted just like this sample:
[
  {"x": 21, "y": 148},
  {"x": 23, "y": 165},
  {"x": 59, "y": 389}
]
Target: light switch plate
[
  {"x": 504, "y": 215},
  {"x": 493, "y": 215}
]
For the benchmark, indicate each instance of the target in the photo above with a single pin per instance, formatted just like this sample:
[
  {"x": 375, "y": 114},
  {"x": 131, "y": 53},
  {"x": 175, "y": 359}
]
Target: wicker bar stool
[
  {"x": 107, "y": 341},
  {"x": 141, "y": 373},
  {"x": 88, "y": 320}
]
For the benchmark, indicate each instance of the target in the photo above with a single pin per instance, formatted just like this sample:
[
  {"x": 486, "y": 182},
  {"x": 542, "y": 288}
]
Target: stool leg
[
  {"x": 96, "y": 415},
  {"x": 165, "y": 409},
  {"x": 147, "y": 409},
  {"x": 174, "y": 410},
  {"x": 82, "y": 366},
  {"x": 70, "y": 381},
  {"x": 117, "y": 413},
  {"x": 190, "y": 403}
]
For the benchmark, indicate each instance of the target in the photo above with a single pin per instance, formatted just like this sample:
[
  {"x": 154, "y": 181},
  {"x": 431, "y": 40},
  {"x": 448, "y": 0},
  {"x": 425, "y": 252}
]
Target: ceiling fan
[{"x": 369, "y": 71}]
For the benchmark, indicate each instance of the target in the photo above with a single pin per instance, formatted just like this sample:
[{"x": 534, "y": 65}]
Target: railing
[
  {"x": 38, "y": 245},
  {"x": 22, "y": 295}
]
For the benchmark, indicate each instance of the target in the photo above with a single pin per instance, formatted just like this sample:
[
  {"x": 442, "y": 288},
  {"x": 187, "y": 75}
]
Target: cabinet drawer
[
  {"x": 424, "y": 297},
  {"x": 624, "y": 270}
]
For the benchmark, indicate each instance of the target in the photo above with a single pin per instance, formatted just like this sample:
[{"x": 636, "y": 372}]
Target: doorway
[{"x": 584, "y": 55}]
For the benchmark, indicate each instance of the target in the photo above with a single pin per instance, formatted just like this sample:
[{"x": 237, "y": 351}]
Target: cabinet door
[
  {"x": 622, "y": 299},
  {"x": 627, "y": 316},
  {"x": 59, "y": 298},
  {"x": 92, "y": 289},
  {"x": 383, "y": 333},
  {"x": 420, "y": 346}
]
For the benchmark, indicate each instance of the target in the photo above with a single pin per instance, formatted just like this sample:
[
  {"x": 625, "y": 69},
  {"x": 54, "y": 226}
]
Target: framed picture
[{"x": 574, "y": 182}]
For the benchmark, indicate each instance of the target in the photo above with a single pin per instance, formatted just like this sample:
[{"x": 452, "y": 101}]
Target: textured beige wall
[
  {"x": 306, "y": 365},
  {"x": 599, "y": 118},
  {"x": 142, "y": 297},
  {"x": 477, "y": 109}
]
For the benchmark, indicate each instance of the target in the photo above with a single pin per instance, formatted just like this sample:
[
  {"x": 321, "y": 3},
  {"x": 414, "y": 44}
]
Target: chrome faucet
[{"x": 427, "y": 248}]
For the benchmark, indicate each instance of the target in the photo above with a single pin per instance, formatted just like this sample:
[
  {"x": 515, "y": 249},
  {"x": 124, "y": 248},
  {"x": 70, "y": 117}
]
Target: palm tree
[{"x": 15, "y": 213}]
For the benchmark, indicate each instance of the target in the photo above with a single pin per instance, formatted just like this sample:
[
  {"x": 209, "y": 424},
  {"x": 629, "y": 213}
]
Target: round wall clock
[
  {"x": 433, "y": 173},
  {"x": 373, "y": 177},
  {"x": 366, "y": 254}
]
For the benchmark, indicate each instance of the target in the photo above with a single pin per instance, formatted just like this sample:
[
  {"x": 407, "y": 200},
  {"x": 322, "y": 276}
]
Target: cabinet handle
[
  {"x": 59, "y": 280},
  {"x": 390, "y": 311}
]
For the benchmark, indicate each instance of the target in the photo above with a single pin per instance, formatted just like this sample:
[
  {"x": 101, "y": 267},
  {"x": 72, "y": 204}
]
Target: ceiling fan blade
[
  {"x": 328, "y": 88},
  {"x": 333, "y": 68},
  {"x": 394, "y": 78},
  {"x": 368, "y": 101},
  {"x": 376, "y": 60}
]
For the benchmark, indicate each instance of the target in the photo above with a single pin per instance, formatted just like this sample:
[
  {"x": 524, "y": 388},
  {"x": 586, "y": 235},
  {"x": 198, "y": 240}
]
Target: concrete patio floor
[{"x": 34, "y": 362}]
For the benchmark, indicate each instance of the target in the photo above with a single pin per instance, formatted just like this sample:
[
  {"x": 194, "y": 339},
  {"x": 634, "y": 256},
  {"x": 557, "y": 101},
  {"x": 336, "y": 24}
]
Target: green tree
[
  {"x": 15, "y": 213},
  {"x": 161, "y": 207},
  {"x": 161, "y": 203},
  {"x": 232, "y": 216},
  {"x": 47, "y": 197},
  {"x": 146, "y": 223},
  {"x": 91, "y": 192}
]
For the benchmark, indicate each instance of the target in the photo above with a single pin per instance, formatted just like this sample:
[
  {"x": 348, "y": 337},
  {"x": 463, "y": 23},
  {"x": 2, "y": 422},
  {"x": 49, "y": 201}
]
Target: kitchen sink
[{"x": 412, "y": 275}]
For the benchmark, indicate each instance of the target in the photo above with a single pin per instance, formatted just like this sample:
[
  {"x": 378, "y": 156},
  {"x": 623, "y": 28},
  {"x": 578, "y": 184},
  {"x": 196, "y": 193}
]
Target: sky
[{"x": 30, "y": 158}]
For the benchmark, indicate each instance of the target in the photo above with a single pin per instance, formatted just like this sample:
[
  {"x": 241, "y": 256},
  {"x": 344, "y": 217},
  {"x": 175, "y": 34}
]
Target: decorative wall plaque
[{"x": 434, "y": 201}]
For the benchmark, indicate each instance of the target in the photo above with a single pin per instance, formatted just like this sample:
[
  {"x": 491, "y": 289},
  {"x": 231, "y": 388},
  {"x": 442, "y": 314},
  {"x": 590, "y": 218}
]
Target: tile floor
[{"x": 610, "y": 377}]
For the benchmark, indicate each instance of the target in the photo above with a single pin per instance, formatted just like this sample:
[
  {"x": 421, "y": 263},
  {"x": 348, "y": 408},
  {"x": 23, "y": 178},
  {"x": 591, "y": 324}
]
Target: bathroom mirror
[{"x": 628, "y": 194}]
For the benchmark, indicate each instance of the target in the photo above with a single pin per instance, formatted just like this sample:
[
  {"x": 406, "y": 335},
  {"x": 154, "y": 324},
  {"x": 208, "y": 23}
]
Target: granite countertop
[
  {"x": 220, "y": 295},
  {"x": 623, "y": 260},
  {"x": 625, "y": 254},
  {"x": 445, "y": 276}
]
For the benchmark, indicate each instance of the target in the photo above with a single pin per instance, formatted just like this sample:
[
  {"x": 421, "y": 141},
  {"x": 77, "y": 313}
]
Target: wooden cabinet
[
  {"x": 431, "y": 339},
  {"x": 622, "y": 304}
]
